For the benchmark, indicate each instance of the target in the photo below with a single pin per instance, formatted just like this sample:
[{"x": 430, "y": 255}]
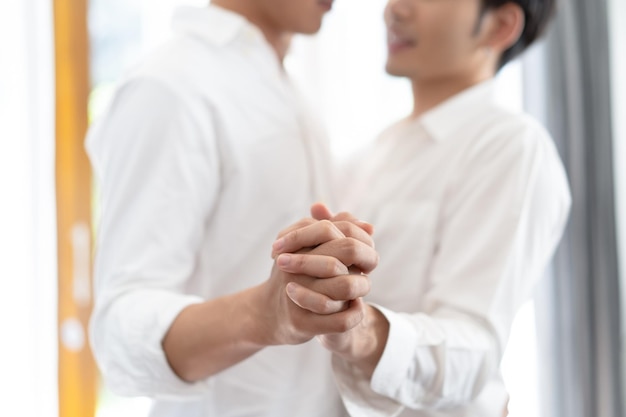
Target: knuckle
[
  {"x": 330, "y": 269},
  {"x": 349, "y": 289},
  {"x": 348, "y": 229},
  {"x": 351, "y": 248},
  {"x": 292, "y": 236},
  {"x": 328, "y": 227},
  {"x": 367, "y": 240},
  {"x": 359, "y": 288},
  {"x": 354, "y": 229},
  {"x": 344, "y": 215},
  {"x": 341, "y": 325},
  {"x": 342, "y": 223},
  {"x": 348, "y": 322},
  {"x": 326, "y": 306},
  {"x": 326, "y": 223},
  {"x": 371, "y": 258},
  {"x": 299, "y": 262},
  {"x": 337, "y": 268},
  {"x": 353, "y": 319}
]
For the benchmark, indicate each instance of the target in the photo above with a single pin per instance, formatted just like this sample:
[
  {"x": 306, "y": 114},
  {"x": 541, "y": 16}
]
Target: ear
[{"x": 506, "y": 25}]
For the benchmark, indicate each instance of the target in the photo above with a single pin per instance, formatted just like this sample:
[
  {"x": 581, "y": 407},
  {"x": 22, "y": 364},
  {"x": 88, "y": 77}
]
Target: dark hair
[{"x": 537, "y": 13}]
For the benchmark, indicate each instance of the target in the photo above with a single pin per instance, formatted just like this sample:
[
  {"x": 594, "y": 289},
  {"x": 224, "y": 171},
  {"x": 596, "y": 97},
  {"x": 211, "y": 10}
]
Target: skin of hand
[
  {"x": 209, "y": 337},
  {"x": 320, "y": 276},
  {"x": 361, "y": 345},
  {"x": 293, "y": 250}
]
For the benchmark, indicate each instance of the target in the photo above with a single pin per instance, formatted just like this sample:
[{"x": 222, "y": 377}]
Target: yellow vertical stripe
[{"x": 77, "y": 372}]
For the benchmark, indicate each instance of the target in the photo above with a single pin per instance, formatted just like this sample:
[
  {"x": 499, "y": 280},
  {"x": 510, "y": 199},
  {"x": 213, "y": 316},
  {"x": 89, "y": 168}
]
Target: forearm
[{"x": 210, "y": 337}]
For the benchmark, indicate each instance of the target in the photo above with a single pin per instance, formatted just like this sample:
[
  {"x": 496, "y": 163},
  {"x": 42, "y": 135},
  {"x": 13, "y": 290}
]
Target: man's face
[
  {"x": 297, "y": 16},
  {"x": 429, "y": 39}
]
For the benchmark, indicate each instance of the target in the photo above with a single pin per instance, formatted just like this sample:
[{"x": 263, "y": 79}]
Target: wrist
[
  {"x": 256, "y": 324},
  {"x": 368, "y": 342},
  {"x": 379, "y": 326}
]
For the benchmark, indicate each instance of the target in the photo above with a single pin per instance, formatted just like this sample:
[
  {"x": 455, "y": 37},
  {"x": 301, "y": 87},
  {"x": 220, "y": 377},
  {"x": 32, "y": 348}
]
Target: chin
[
  {"x": 310, "y": 28},
  {"x": 306, "y": 25},
  {"x": 395, "y": 70}
]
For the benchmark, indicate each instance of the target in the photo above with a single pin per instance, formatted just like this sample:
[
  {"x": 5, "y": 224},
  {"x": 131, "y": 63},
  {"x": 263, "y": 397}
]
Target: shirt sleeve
[
  {"x": 155, "y": 156},
  {"x": 502, "y": 220}
]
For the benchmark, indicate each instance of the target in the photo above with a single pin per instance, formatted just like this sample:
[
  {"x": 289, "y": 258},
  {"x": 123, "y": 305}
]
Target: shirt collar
[
  {"x": 446, "y": 118},
  {"x": 214, "y": 24}
]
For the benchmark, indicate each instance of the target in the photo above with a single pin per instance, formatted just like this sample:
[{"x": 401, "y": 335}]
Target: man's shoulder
[
  {"x": 505, "y": 140},
  {"x": 504, "y": 127},
  {"x": 184, "y": 65},
  {"x": 176, "y": 61}
]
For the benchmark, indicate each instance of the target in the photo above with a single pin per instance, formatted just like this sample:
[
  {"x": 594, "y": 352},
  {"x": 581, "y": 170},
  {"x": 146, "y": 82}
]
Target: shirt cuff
[{"x": 398, "y": 359}]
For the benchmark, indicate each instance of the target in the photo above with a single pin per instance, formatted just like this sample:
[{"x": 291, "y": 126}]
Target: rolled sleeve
[{"x": 127, "y": 343}]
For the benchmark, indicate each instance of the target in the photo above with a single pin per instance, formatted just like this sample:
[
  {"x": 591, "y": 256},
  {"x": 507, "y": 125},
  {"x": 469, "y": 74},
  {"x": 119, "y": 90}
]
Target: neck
[
  {"x": 429, "y": 93},
  {"x": 278, "y": 39}
]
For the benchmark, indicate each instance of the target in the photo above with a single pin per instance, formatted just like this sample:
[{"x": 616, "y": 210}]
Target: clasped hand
[{"x": 319, "y": 277}]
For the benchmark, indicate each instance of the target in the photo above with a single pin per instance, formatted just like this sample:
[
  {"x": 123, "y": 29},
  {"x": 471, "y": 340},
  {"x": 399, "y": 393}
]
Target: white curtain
[
  {"x": 28, "y": 352},
  {"x": 617, "y": 14},
  {"x": 571, "y": 90}
]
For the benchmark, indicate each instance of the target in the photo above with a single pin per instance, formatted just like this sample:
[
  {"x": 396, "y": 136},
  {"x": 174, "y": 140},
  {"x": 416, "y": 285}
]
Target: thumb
[{"x": 319, "y": 211}]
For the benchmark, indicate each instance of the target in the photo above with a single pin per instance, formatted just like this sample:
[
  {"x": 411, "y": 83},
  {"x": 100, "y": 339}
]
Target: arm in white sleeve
[
  {"x": 156, "y": 160},
  {"x": 501, "y": 224}
]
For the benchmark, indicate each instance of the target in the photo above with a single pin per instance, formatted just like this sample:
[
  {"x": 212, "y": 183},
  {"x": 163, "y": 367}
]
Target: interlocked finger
[
  {"x": 313, "y": 301},
  {"x": 350, "y": 252},
  {"x": 343, "y": 288},
  {"x": 344, "y": 320},
  {"x": 350, "y": 229},
  {"x": 347, "y": 217},
  {"x": 305, "y": 237},
  {"x": 313, "y": 265}
]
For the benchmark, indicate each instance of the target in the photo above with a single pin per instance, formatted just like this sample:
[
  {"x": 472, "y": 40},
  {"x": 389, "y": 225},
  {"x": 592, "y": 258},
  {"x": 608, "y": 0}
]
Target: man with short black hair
[
  {"x": 469, "y": 202},
  {"x": 537, "y": 17}
]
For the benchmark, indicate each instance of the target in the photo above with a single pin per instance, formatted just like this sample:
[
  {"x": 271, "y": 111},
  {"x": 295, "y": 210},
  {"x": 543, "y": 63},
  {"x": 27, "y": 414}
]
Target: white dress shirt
[
  {"x": 203, "y": 156},
  {"x": 469, "y": 203}
]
